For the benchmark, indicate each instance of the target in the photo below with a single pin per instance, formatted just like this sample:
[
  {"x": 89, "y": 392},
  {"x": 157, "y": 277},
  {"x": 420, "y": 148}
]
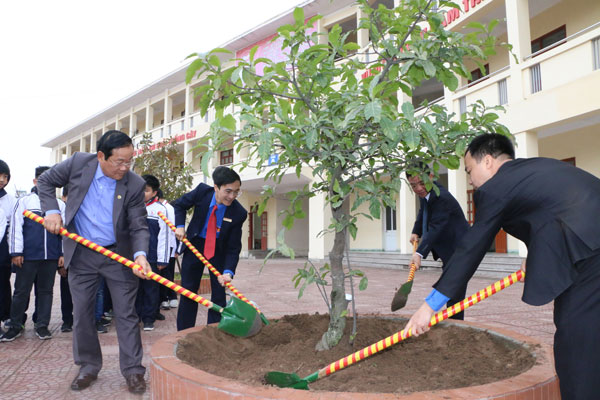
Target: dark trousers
[
  {"x": 147, "y": 300},
  {"x": 85, "y": 270},
  {"x": 167, "y": 294},
  {"x": 66, "y": 302},
  {"x": 5, "y": 289},
  {"x": 191, "y": 274},
  {"x": 42, "y": 272},
  {"x": 576, "y": 343}
]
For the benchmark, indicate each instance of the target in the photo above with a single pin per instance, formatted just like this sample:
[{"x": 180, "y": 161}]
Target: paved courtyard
[{"x": 36, "y": 369}]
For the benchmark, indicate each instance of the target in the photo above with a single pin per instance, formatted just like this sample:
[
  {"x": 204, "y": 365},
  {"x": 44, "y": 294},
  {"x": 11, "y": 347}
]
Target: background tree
[
  {"x": 357, "y": 136},
  {"x": 165, "y": 161}
]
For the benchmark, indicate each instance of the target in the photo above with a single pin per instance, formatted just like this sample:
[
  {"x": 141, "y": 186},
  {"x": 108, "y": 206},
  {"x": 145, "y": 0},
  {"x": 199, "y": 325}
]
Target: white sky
[{"x": 64, "y": 60}]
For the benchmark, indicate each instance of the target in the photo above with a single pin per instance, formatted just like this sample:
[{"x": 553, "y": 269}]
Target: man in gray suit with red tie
[
  {"x": 106, "y": 206},
  {"x": 216, "y": 230},
  {"x": 553, "y": 207}
]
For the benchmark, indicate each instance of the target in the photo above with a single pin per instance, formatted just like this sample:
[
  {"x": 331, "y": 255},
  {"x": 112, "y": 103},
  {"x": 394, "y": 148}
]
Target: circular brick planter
[{"x": 170, "y": 378}]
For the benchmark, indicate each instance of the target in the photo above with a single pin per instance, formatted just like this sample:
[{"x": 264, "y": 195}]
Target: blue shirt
[
  {"x": 94, "y": 219},
  {"x": 220, "y": 213},
  {"x": 436, "y": 300}
]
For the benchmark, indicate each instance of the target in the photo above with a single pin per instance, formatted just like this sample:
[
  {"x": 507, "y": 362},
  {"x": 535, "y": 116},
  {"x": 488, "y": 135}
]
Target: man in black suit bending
[
  {"x": 440, "y": 225},
  {"x": 216, "y": 231},
  {"x": 553, "y": 207}
]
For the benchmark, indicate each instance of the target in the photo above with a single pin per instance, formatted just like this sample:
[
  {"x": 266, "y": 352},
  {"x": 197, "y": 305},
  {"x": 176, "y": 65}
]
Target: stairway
[{"x": 494, "y": 265}]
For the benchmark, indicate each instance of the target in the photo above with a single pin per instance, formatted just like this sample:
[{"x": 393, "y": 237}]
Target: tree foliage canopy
[{"x": 345, "y": 112}]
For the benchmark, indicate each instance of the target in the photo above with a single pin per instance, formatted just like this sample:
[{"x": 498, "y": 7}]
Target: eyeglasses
[
  {"x": 121, "y": 163},
  {"x": 235, "y": 193}
]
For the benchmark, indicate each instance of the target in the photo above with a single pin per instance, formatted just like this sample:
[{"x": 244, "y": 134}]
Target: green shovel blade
[
  {"x": 401, "y": 296},
  {"x": 239, "y": 318},
  {"x": 285, "y": 380}
]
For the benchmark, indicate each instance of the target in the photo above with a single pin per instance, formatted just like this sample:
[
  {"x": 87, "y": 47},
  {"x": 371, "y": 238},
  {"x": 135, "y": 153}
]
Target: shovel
[
  {"x": 401, "y": 295},
  {"x": 237, "y": 318},
  {"x": 285, "y": 380},
  {"x": 213, "y": 269}
]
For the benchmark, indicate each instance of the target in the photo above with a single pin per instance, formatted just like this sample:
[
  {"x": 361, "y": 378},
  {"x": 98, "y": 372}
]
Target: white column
[
  {"x": 149, "y": 116},
  {"x": 168, "y": 113},
  {"x": 519, "y": 36},
  {"x": 188, "y": 104},
  {"x": 408, "y": 214},
  {"x": 117, "y": 122},
  {"x": 93, "y": 140},
  {"x": 132, "y": 123},
  {"x": 316, "y": 224}
]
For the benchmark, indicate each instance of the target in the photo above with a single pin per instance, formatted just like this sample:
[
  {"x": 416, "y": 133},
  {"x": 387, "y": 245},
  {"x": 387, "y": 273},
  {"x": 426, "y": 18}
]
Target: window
[
  {"x": 477, "y": 74},
  {"x": 596, "y": 53},
  {"x": 502, "y": 92},
  {"x": 536, "y": 78},
  {"x": 549, "y": 39},
  {"x": 227, "y": 157},
  {"x": 462, "y": 105}
]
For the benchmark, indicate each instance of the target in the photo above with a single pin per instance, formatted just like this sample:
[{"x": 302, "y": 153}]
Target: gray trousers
[{"x": 84, "y": 276}]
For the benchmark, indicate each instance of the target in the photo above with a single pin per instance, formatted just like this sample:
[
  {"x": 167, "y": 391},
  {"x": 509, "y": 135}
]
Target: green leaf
[
  {"x": 408, "y": 110},
  {"x": 252, "y": 53},
  {"x": 429, "y": 68},
  {"x": 373, "y": 110},
  {"x": 228, "y": 122},
  {"x": 364, "y": 282},
  {"x": 375, "y": 208},
  {"x": 353, "y": 229},
  {"x": 299, "y": 15},
  {"x": 389, "y": 128},
  {"x": 192, "y": 69},
  {"x": 412, "y": 137}
]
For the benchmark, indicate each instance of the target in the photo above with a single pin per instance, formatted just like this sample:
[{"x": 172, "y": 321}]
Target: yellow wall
[
  {"x": 575, "y": 14},
  {"x": 583, "y": 144},
  {"x": 370, "y": 232}
]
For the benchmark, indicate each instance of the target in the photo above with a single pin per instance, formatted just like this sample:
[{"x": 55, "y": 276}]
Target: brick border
[{"x": 173, "y": 379}]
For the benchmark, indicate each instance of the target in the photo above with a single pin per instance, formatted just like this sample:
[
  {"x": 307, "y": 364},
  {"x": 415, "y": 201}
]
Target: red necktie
[{"x": 211, "y": 235}]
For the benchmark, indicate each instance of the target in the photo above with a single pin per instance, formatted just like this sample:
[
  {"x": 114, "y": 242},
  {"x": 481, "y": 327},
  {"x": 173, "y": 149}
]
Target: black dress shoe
[
  {"x": 136, "y": 383},
  {"x": 83, "y": 381}
]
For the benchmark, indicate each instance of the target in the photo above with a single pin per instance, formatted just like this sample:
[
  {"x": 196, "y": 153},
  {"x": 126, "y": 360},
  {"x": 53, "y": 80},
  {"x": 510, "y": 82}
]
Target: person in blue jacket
[{"x": 37, "y": 254}]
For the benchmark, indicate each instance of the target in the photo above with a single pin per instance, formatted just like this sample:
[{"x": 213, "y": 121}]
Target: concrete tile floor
[{"x": 36, "y": 369}]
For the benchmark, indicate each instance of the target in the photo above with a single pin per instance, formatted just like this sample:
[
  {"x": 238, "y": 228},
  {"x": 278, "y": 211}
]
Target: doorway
[
  {"x": 499, "y": 244},
  {"x": 390, "y": 242},
  {"x": 257, "y": 239}
]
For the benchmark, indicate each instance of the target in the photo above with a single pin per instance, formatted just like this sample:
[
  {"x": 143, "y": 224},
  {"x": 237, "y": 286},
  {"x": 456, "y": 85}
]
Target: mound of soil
[{"x": 448, "y": 356}]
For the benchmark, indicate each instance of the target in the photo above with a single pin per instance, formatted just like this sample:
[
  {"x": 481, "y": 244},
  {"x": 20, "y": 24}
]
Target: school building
[{"x": 550, "y": 89}]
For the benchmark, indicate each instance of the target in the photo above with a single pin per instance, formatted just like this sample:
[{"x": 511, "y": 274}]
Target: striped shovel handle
[
  {"x": 413, "y": 267},
  {"x": 212, "y": 269},
  {"x": 128, "y": 263},
  {"x": 401, "y": 335}
]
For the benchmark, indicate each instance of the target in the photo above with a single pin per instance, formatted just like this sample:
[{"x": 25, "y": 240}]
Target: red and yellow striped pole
[
  {"x": 212, "y": 269},
  {"x": 399, "y": 336},
  {"x": 413, "y": 267},
  {"x": 128, "y": 263}
]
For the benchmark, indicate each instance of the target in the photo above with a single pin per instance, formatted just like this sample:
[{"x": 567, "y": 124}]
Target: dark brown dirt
[{"x": 446, "y": 357}]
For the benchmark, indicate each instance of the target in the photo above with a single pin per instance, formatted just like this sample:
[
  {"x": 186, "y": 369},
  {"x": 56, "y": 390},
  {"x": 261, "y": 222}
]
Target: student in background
[
  {"x": 148, "y": 296},
  {"x": 37, "y": 254}
]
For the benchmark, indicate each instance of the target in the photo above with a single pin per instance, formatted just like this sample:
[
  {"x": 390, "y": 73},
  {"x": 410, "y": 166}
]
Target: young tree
[
  {"x": 165, "y": 161},
  {"x": 356, "y": 134}
]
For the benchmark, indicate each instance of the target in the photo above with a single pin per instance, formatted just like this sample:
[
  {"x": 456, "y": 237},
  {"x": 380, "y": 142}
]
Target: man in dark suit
[
  {"x": 553, "y": 208},
  {"x": 106, "y": 206},
  {"x": 440, "y": 225},
  {"x": 216, "y": 231}
]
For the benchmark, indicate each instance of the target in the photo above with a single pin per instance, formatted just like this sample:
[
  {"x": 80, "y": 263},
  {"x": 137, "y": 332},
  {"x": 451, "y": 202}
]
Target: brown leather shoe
[
  {"x": 136, "y": 383},
  {"x": 83, "y": 381}
]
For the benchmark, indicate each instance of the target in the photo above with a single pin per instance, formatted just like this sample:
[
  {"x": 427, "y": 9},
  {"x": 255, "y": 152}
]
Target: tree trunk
[{"x": 339, "y": 304}]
